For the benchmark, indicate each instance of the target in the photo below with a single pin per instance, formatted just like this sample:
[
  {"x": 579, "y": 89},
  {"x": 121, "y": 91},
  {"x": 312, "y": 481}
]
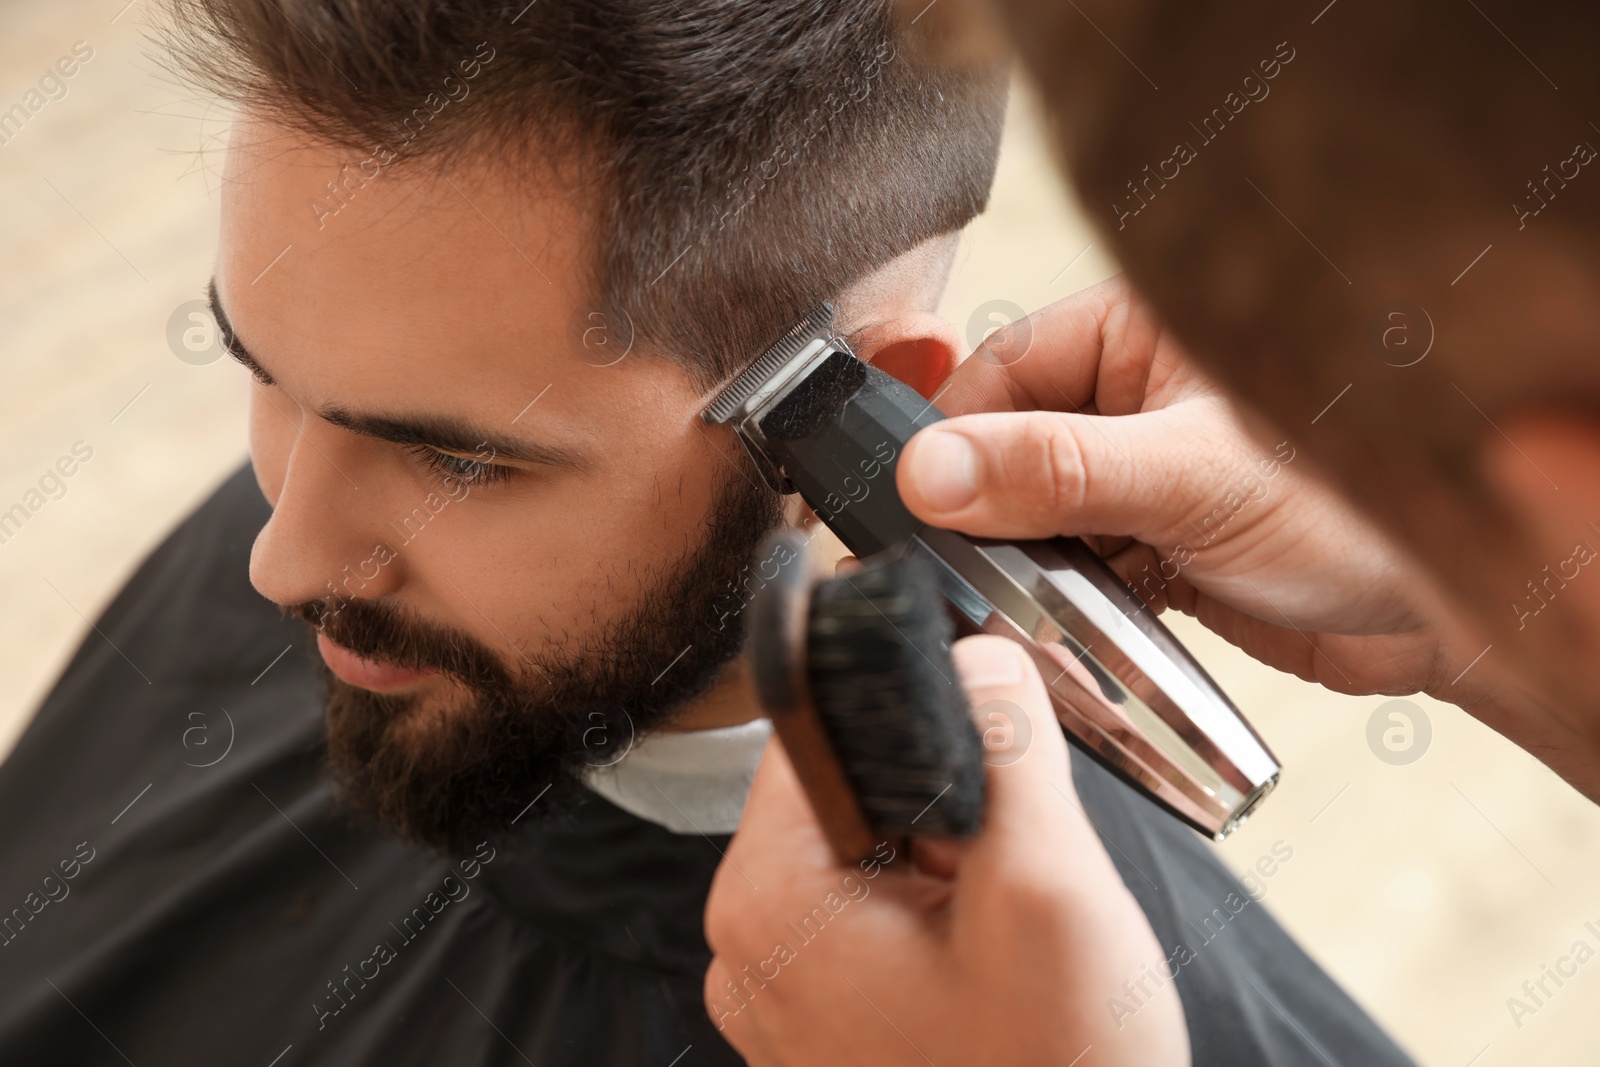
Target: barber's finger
[
  {"x": 739, "y": 1028},
  {"x": 1024, "y": 750},
  {"x": 1011, "y": 710},
  {"x": 1037, "y": 834},
  {"x": 1042, "y": 473},
  {"x": 1153, "y": 575},
  {"x": 1092, "y": 351}
]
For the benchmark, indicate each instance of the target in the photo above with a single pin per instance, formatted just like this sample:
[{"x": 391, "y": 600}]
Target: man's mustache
[{"x": 379, "y": 631}]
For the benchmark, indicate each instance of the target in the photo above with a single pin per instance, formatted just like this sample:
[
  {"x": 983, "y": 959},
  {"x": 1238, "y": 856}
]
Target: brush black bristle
[{"x": 884, "y": 687}]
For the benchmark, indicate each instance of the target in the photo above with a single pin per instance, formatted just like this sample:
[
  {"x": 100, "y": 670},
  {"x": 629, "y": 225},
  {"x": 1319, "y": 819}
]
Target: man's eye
[{"x": 450, "y": 468}]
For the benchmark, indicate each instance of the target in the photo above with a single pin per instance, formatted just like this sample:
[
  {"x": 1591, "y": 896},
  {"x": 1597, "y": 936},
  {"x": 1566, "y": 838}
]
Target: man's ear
[{"x": 919, "y": 348}]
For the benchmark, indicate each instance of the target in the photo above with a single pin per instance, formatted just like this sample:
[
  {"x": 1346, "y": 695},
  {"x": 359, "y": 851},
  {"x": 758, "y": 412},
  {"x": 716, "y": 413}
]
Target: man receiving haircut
[{"x": 486, "y": 264}]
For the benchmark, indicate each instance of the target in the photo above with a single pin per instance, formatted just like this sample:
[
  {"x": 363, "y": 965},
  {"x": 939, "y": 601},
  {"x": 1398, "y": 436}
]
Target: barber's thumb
[
  {"x": 1036, "y": 830},
  {"x": 1042, "y": 473},
  {"x": 1024, "y": 751}
]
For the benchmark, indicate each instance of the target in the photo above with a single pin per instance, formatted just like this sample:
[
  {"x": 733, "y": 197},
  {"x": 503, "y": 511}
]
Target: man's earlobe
[{"x": 920, "y": 350}]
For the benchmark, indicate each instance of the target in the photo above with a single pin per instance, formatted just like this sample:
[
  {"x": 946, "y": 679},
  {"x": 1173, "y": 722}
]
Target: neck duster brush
[{"x": 855, "y": 673}]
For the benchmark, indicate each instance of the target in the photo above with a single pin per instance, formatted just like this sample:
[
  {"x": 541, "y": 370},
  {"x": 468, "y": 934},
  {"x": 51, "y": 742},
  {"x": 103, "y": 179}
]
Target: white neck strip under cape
[{"x": 690, "y": 781}]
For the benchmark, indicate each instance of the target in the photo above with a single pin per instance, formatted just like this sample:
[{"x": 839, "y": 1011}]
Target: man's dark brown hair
[{"x": 748, "y": 159}]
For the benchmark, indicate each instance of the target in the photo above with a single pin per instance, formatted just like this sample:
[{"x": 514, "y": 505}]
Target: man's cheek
[{"x": 560, "y": 579}]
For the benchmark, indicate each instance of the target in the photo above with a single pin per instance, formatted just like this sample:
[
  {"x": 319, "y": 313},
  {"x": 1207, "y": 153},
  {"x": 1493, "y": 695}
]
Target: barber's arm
[{"x": 1001, "y": 950}]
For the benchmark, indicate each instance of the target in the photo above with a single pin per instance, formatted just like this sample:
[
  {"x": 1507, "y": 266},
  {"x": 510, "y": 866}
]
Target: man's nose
[{"x": 325, "y": 537}]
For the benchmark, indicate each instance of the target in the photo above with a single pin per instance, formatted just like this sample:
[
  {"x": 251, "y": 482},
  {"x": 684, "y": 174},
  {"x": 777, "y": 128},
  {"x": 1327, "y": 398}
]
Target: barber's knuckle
[
  {"x": 1035, "y": 896},
  {"x": 719, "y": 927},
  {"x": 1060, "y": 463},
  {"x": 725, "y": 919},
  {"x": 724, "y": 925},
  {"x": 709, "y": 985}
]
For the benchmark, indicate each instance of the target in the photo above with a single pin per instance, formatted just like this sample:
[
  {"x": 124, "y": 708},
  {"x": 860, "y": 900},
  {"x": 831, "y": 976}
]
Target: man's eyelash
[{"x": 448, "y": 468}]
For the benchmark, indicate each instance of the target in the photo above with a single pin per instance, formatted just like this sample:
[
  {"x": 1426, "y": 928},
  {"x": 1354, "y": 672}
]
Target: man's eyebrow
[
  {"x": 451, "y": 435},
  {"x": 231, "y": 342},
  {"x": 442, "y": 432}
]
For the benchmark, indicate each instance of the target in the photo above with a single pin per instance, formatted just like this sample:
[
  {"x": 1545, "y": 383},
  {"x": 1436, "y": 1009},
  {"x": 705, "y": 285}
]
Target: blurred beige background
[{"x": 1432, "y": 890}]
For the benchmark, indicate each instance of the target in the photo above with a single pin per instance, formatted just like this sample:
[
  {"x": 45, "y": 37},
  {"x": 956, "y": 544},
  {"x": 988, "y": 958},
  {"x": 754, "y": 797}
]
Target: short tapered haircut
[{"x": 748, "y": 158}]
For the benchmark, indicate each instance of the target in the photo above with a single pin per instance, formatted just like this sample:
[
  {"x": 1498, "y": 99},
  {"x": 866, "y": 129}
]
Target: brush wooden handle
[
  {"x": 777, "y": 625},
  {"x": 829, "y": 791}
]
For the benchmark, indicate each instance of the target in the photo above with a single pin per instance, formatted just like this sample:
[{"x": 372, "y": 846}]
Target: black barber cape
[{"x": 177, "y": 887}]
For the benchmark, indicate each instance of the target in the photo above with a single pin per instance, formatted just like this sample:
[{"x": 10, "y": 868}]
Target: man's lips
[{"x": 367, "y": 673}]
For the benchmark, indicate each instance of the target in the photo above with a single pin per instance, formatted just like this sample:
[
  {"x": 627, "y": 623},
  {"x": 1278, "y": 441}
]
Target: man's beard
[{"x": 465, "y": 769}]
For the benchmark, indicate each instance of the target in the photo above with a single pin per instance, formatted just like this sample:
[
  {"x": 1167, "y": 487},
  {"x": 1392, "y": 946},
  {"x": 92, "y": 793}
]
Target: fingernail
[
  {"x": 985, "y": 663},
  {"x": 947, "y": 470}
]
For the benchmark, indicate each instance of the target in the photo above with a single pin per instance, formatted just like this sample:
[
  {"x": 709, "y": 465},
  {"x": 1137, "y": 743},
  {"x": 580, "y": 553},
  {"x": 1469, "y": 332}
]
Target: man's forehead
[
  {"x": 355, "y": 279},
  {"x": 369, "y": 232}
]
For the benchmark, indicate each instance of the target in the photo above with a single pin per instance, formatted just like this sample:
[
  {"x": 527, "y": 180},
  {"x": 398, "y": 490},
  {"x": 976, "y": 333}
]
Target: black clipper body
[{"x": 820, "y": 422}]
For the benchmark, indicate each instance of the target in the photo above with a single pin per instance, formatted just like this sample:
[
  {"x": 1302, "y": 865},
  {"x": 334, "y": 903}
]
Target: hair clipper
[{"x": 820, "y": 422}]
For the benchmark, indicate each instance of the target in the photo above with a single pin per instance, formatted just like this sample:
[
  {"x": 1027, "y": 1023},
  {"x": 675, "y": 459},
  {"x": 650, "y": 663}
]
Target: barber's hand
[
  {"x": 1003, "y": 950},
  {"x": 1104, "y": 427}
]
